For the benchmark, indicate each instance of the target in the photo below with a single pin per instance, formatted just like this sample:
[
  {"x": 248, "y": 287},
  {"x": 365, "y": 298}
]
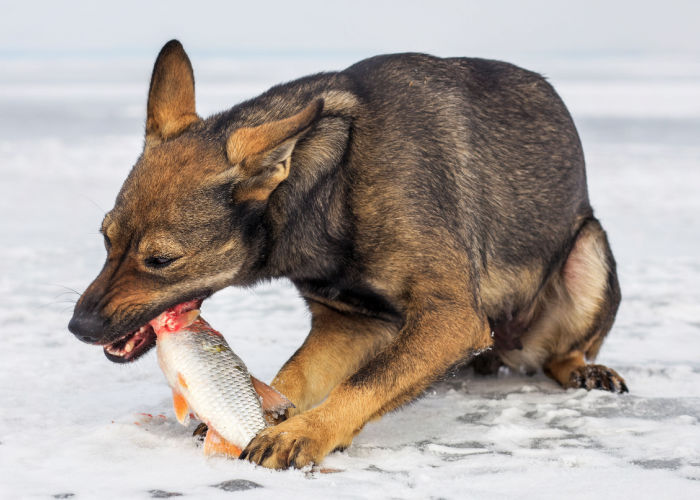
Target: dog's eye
[
  {"x": 108, "y": 244},
  {"x": 158, "y": 262}
]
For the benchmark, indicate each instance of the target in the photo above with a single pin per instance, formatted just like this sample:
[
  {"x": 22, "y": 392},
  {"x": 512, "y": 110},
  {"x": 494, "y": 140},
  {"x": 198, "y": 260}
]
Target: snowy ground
[{"x": 72, "y": 423}]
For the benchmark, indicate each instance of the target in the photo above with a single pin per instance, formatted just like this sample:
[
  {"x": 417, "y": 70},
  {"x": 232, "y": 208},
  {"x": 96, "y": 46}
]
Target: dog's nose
[{"x": 87, "y": 327}]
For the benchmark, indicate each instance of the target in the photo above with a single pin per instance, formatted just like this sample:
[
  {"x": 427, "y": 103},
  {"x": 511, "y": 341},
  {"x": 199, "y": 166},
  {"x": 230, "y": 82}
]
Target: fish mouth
[{"x": 135, "y": 344}]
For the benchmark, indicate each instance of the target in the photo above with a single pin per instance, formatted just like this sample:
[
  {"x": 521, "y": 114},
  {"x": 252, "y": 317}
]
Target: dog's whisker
[
  {"x": 66, "y": 288},
  {"x": 61, "y": 302},
  {"x": 94, "y": 203}
]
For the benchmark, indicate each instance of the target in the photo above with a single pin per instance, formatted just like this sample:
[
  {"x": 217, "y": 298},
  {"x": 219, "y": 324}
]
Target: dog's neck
[{"x": 298, "y": 212}]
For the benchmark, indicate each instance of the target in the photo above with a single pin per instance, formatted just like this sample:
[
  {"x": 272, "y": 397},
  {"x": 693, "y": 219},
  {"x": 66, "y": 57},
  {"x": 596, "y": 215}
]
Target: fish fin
[
  {"x": 272, "y": 400},
  {"x": 215, "y": 444},
  {"x": 181, "y": 407}
]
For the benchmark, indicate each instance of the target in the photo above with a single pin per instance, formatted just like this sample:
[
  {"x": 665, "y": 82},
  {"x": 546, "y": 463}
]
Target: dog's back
[{"x": 478, "y": 154}]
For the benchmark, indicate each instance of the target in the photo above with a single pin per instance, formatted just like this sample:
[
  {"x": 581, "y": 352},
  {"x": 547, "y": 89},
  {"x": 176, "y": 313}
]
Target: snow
[{"x": 73, "y": 423}]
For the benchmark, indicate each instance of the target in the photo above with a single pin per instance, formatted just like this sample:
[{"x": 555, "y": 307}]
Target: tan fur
[
  {"x": 567, "y": 306},
  {"x": 261, "y": 155},
  {"x": 519, "y": 283},
  {"x": 171, "y": 103},
  {"x": 258, "y": 187},
  {"x": 412, "y": 360},
  {"x": 572, "y": 371},
  {"x": 337, "y": 346},
  {"x": 592, "y": 347},
  {"x": 246, "y": 142},
  {"x": 561, "y": 367},
  {"x": 441, "y": 328}
]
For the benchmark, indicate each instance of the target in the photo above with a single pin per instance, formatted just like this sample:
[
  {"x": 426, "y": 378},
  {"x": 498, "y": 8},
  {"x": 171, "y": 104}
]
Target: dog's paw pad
[{"x": 597, "y": 377}]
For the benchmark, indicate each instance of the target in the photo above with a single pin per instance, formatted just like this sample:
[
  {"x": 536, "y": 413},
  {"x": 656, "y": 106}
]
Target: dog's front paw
[
  {"x": 297, "y": 442},
  {"x": 597, "y": 377}
]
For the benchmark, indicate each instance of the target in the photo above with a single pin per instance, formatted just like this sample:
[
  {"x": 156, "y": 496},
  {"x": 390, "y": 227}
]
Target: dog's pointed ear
[
  {"x": 262, "y": 155},
  {"x": 171, "y": 106}
]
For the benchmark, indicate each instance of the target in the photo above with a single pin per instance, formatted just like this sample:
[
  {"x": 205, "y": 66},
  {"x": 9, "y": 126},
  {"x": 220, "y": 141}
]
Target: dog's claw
[
  {"x": 597, "y": 377},
  {"x": 297, "y": 448},
  {"x": 266, "y": 453},
  {"x": 296, "y": 442}
]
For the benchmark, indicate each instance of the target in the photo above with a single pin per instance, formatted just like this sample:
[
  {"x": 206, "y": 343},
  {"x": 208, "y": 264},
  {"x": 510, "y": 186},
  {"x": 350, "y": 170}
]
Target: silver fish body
[{"x": 199, "y": 364}]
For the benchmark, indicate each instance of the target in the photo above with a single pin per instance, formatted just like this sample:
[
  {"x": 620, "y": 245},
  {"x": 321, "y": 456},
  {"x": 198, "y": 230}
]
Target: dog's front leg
[
  {"x": 337, "y": 346},
  {"x": 439, "y": 331}
]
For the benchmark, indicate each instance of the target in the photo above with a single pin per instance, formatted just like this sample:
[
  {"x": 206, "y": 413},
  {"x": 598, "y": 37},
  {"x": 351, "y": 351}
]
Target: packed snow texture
[{"x": 72, "y": 423}]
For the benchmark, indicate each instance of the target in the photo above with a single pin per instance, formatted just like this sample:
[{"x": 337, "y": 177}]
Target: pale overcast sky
[{"x": 442, "y": 27}]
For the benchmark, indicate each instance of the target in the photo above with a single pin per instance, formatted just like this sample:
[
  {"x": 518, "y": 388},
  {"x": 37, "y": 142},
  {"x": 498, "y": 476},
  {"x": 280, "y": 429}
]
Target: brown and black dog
[{"x": 427, "y": 210}]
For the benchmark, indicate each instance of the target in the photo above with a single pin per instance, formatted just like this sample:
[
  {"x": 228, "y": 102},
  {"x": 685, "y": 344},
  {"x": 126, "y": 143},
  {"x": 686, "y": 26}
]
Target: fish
[{"x": 209, "y": 379}]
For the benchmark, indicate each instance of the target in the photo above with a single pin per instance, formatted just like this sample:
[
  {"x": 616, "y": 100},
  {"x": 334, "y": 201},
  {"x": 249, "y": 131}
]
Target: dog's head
[{"x": 187, "y": 219}]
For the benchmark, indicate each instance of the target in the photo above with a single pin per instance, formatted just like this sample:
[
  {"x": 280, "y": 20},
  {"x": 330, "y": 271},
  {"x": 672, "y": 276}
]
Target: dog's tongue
[{"x": 176, "y": 318}]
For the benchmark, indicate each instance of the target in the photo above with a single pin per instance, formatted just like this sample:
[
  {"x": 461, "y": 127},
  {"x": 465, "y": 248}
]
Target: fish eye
[{"x": 158, "y": 261}]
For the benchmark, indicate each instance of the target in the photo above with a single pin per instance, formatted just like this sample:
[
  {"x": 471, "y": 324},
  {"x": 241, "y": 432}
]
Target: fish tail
[{"x": 271, "y": 399}]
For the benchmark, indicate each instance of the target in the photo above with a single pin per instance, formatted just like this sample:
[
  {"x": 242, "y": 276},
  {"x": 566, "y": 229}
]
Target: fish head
[{"x": 176, "y": 318}]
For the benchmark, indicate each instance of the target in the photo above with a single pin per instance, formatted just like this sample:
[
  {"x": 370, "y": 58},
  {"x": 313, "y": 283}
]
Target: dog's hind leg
[
  {"x": 337, "y": 346},
  {"x": 573, "y": 314}
]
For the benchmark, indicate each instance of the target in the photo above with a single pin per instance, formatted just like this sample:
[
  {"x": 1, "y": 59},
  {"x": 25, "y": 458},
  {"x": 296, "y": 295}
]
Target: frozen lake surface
[{"x": 73, "y": 423}]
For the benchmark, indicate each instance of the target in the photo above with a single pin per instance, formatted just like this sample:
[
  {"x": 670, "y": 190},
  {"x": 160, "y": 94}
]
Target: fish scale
[{"x": 217, "y": 385}]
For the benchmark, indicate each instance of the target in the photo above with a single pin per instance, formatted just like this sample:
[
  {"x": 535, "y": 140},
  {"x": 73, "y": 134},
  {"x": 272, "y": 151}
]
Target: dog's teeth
[{"x": 129, "y": 346}]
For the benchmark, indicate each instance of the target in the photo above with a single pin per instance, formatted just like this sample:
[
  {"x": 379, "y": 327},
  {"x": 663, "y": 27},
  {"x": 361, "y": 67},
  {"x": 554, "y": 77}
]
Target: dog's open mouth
[
  {"x": 135, "y": 344},
  {"x": 131, "y": 346}
]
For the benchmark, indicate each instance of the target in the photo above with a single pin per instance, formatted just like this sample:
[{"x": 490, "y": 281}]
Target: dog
[{"x": 429, "y": 211}]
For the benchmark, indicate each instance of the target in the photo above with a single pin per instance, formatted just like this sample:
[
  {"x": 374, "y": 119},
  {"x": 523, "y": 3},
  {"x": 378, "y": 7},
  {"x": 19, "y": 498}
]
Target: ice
[{"x": 72, "y": 422}]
